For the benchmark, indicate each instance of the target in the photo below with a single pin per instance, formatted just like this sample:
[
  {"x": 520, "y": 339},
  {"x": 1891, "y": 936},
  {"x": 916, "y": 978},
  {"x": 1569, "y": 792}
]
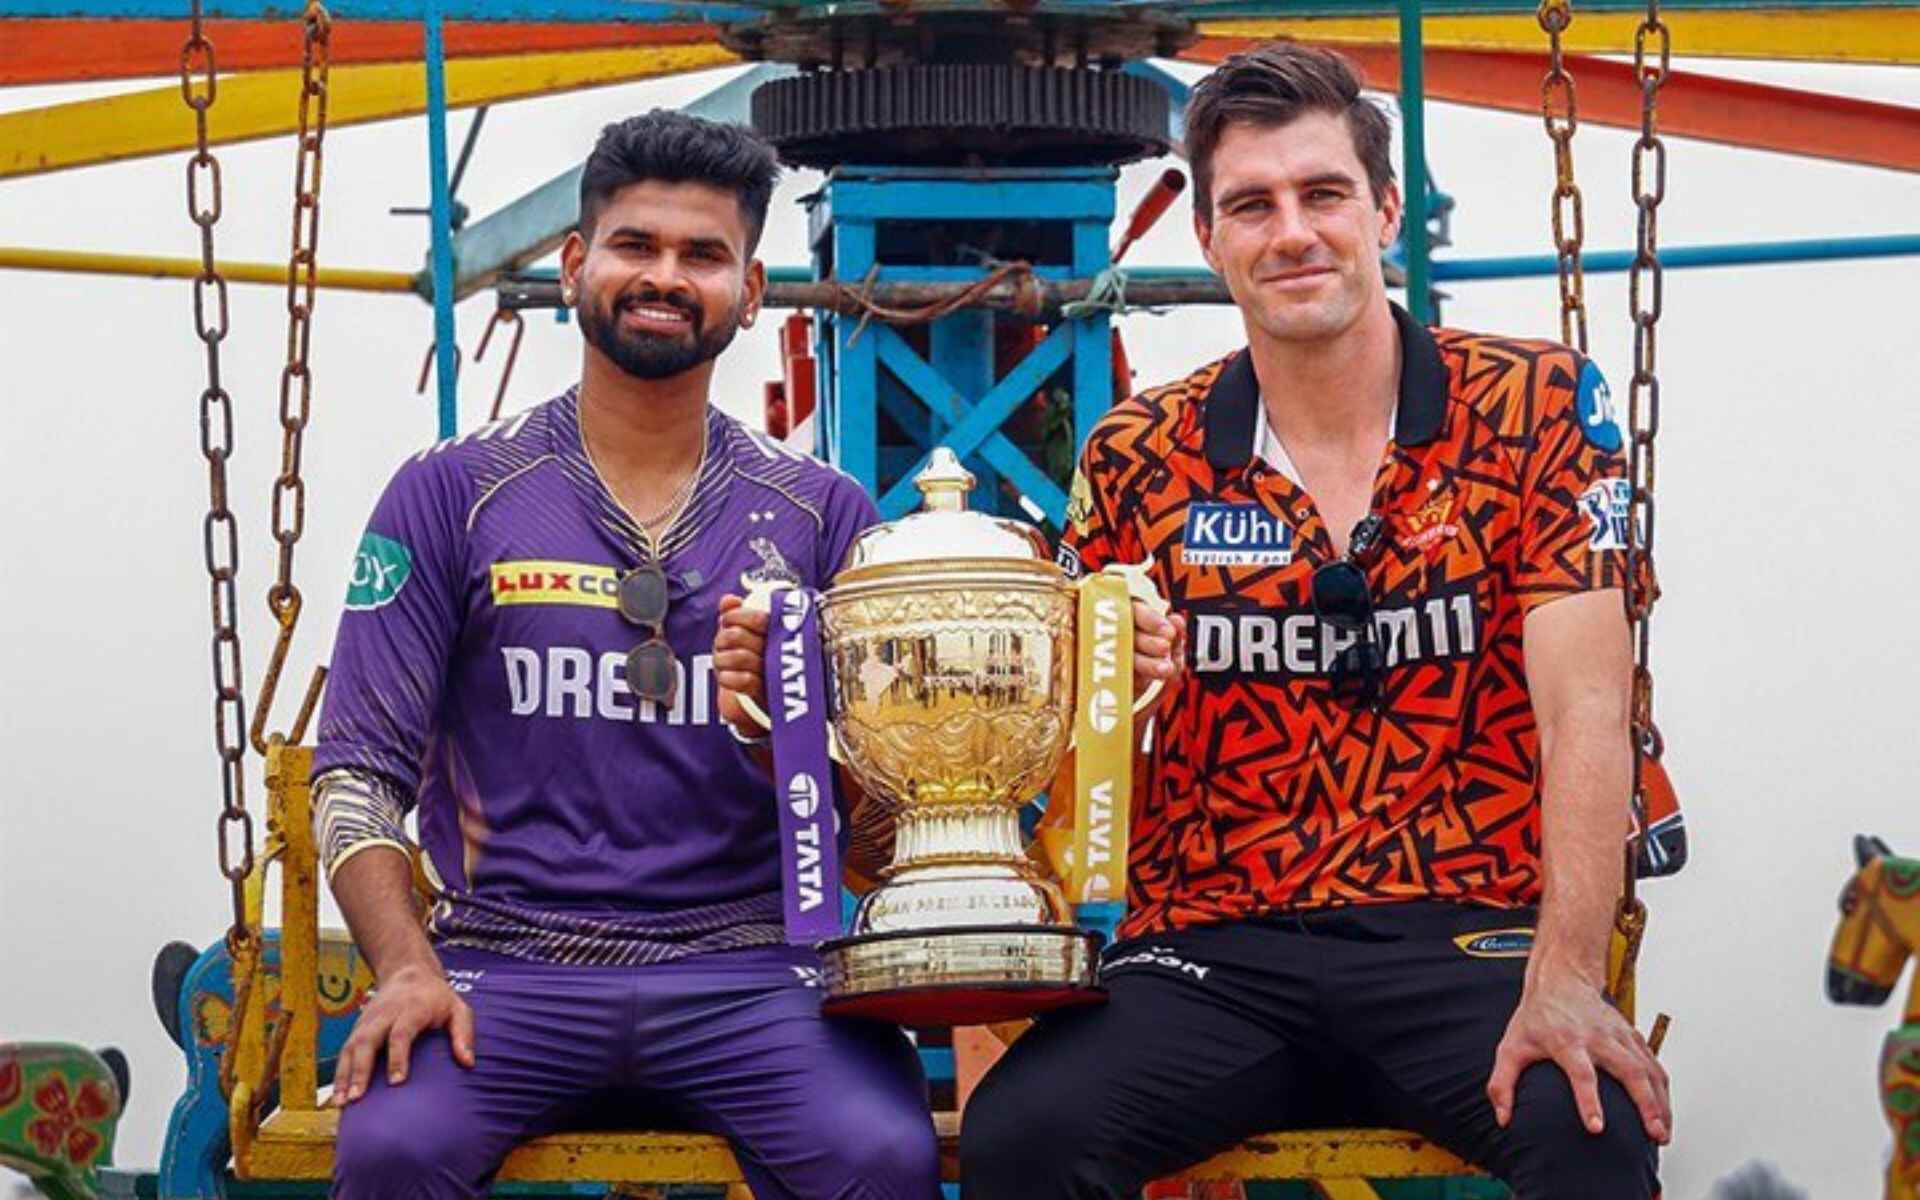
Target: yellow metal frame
[
  {"x": 256, "y": 105},
  {"x": 85, "y": 262},
  {"x": 1854, "y": 35}
]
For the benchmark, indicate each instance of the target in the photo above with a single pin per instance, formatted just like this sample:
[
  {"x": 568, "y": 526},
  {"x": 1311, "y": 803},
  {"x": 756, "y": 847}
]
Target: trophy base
[{"x": 966, "y": 975}]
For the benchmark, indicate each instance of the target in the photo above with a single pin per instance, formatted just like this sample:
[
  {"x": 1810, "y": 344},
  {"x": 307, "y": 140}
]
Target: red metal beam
[
  {"x": 1732, "y": 112},
  {"x": 48, "y": 50}
]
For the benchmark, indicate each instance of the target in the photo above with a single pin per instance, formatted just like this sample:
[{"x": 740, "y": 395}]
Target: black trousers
[{"x": 1380, "y": 1016}]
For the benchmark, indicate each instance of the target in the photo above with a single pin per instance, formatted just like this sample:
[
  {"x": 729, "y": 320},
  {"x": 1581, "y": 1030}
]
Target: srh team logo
[
  {"x": 1608, "y": 506},
  {"x": 1235, "y": 535},
  {"x": 540, "y": 581},
  {"x": 1430, "y": 524}
]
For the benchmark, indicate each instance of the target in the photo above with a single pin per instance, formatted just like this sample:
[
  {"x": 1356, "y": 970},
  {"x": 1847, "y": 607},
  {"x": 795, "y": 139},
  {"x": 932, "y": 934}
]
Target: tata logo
[
  {"x": 794, "y": 700},
  {"x": 1235, "y": 535},
  {"x": 1103, "y": 711},
  {"x": 793, "y": 609},
  {"x": 381, "y": 567},
  {"x": 803, "y": 796}
]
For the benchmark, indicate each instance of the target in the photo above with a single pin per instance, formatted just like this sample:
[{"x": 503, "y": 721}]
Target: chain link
[
  {"x": 219, "y": 532},
  {"x": 296, "y": 378},
  {"x": 1559, "y": 108},
  {"x": 1652, "y": 57}
]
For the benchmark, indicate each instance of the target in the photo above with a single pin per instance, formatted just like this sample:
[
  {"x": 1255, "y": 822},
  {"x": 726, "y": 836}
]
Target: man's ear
[
  {"x": 1391, "y": 211},
  {"x": 756, "y": 293},
  {"x": 573, "y": 255},
  {"x": 1203, "y": 233}
]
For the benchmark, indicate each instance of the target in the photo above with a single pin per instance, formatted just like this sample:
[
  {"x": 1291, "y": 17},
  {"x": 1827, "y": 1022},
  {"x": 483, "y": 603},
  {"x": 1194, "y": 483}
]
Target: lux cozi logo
[{"x": 539, "y": 581}]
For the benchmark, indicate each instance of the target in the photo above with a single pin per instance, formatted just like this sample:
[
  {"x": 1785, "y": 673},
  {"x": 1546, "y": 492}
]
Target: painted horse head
[{"x": 1879, "y": 925}]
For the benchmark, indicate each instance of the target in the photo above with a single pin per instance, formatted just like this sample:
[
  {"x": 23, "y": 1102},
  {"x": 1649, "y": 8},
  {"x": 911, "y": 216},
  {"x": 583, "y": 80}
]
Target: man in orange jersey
[{"x": 1377, "y": 849}]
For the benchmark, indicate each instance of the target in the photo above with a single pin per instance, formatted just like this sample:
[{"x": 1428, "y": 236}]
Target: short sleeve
[
  {"x": 401, "y": 619},
  {"x": 1576, "y": 498},
  {"x": 849, "y": 513},
  {"x": 1094, "y": 536}
]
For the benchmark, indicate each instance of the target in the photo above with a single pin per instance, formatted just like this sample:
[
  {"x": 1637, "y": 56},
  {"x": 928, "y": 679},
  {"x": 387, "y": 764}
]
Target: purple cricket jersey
[{"x": 481, "y": 668}]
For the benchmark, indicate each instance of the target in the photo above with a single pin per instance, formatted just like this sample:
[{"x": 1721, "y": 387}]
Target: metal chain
[
  {"x": 1652, "y": 56},
  {"x": 1560, "y": 110},
  {"x": 220, "y": 534},
  {"x": 296, "y": 379}
]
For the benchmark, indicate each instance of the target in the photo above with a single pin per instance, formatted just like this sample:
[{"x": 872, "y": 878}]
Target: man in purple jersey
[{"x": 527, "y": 659}]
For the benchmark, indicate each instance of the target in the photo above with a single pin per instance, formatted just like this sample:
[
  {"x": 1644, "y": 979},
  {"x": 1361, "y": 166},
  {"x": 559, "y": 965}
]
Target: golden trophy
[{"x": 948, "y": 641}]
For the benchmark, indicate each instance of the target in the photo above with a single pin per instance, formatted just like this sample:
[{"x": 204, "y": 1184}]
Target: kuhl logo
[
  {"x": 381, "y": 567},
  {"x": 1235, "y": 535}
]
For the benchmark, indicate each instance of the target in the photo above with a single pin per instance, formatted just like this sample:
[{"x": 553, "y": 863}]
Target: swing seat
[{"x": 296, "y": 1140}]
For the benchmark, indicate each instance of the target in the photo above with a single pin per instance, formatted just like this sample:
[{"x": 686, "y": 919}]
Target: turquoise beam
[
  {"x": 1413, "y": 137},
  {"x": 445, "y": 349},
  {"x": 1733, "y": 254},
  {"x": 597, "y": 11}
]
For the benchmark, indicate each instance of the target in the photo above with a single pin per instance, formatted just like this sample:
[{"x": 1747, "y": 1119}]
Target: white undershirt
[{"x": 1270, "y": 448}]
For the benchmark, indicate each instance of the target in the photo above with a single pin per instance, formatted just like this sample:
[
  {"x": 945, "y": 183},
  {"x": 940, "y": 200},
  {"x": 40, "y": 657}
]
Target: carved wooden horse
[{"x": 1879, "y": 930}]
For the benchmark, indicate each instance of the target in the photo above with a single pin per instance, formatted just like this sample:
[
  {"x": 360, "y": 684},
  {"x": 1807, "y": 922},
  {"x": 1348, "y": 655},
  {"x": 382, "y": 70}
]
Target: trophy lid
[{"x": 944, "y": 530}]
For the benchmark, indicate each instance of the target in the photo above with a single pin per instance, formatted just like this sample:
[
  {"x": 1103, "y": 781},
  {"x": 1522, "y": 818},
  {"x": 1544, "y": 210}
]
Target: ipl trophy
[{"x": 948, "y": 640}]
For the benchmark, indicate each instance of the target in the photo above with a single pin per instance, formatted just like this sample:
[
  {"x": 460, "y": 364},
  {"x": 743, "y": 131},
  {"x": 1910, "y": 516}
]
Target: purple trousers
[{"x": 730, "y": 1043}]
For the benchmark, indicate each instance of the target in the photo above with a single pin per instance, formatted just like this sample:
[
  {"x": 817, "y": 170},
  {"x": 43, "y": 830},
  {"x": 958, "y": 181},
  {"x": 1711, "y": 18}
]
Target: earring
[{"x": 566, "y": 294}]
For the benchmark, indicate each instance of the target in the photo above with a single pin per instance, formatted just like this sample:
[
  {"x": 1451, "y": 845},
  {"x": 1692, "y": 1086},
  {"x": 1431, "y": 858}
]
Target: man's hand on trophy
[
  {"x": 740, "y": 665},
  {"x": 1159, "y": 646}
]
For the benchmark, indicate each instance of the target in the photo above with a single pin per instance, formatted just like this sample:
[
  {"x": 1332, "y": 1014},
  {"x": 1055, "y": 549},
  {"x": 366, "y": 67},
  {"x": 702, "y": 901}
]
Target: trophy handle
[
  {"x": 759, "y": 598},
  {"x": 1140, "y": 587}
]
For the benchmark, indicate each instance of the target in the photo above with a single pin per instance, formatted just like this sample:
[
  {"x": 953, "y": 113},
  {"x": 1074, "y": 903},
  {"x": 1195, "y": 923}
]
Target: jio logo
[
  {"x": 793, "y": 609},
  {"x": 803, "y": 796},
  {"x": 1103, "y": 711}
]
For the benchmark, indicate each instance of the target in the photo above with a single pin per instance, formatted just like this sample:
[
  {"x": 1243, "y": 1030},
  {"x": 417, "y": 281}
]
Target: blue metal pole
[
  {"x": 1733, "y": 254},
  {"x": 446, "y": 360},
  {"x": 1413, "y": 139}
]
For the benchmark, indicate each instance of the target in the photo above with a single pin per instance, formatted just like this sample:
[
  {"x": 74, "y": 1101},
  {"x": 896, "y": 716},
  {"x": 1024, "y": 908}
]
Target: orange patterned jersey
[{"x": 1503, "y": 488}]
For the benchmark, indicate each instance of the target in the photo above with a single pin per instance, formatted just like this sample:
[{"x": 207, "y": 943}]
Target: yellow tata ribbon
[{"x": 1103, "y": 736}]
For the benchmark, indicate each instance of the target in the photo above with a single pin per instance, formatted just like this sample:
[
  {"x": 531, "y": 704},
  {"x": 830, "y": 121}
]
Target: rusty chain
[
  {"x": 1652, "y": 57},
  {"x": 296, "y": 378},
  {"x": 220, "y": 533},
  {"x": 1560, "y": 110}
]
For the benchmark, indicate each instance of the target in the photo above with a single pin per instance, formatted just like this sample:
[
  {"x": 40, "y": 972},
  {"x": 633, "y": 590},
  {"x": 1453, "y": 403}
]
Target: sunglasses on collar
[{"x": 1343, "y": 599}]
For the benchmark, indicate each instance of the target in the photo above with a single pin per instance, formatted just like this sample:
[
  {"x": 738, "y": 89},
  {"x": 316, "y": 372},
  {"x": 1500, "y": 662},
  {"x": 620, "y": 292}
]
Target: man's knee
[
  {"x": 1552, "y": 1156},
  {"x": 1029, "y": 1142},
  {"x": 384, "y": 1152},
  {"x": 897, "y": 1158}
]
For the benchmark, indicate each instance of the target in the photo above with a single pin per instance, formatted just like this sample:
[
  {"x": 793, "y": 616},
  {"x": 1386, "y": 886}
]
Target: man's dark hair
[
  {"x": 675, "y": 148},
  {"x": 1271, "y": 86}
]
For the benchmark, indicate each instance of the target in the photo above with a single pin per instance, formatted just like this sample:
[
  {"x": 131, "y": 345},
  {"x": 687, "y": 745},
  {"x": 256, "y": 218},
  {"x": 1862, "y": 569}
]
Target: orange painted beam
[
  {"x": 48, "y": 50},
  {"x": 1706, "y": 107}
]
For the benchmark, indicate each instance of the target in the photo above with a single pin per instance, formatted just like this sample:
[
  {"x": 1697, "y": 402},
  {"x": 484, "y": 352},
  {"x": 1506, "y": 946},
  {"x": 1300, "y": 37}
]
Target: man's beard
[{"x": 651, "y": 355}]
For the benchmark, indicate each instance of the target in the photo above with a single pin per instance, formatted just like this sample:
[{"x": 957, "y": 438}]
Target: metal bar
[
  {"x": 508, "y": 11},
  {"x": 1212, "y": 15},
  {"x": 1733, "y": 254},
  {"x": 1413, "y": 190},
  {"x": 444, "y": 347},
  {"x": 1195, "y": 288},
  {"x": 1709, "y": 108},
  {"x": 1093, "y": 336},
  {"x": 1858, "y": 35},
  {"x": 52, "y": 50},
  {"x": 149, "y": 122},
  {"x": 84, "y": 262}
]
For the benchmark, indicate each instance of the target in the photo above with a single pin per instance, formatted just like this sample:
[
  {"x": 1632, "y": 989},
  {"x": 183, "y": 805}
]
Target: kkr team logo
[
  {"x": 381, "y": 567},
  {"x": 1608, "y": 506},
  {"x": 1235, "y": 535}
]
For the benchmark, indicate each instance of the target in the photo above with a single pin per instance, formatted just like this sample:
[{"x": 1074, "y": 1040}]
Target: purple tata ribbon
[{"x": 802, "y": 778}]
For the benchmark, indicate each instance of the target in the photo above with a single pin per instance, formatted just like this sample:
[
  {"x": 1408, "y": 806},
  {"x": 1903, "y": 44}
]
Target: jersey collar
[{"x": 1231, "y": 414}]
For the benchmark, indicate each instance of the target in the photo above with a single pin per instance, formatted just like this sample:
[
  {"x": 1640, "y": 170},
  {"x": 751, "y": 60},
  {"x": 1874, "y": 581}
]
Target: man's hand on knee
[
  {"x": 411, "y": 1002},
  {"x": 1571, "y": 1024}
]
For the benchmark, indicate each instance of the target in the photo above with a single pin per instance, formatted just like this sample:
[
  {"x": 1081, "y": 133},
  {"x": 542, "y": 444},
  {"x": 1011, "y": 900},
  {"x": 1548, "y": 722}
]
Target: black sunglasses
[
  {"x": 651, "y": 671},
  {"x": 1343, "y": 600}
]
